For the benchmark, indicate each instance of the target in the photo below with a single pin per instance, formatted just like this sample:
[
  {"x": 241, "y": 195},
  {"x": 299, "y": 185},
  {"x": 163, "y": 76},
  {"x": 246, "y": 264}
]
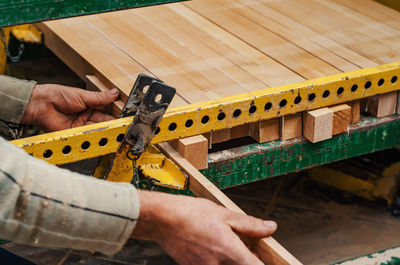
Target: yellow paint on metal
[
  {"x": 283, "y": 100},
  {"x": 4, "y": 38},
  {"x": 27, "y": 33},
  {"x": 372, "y": 187},
  {"x": 343, "y": 181},
  {"x": 161, "y": 170},
  {"x": 76, "y": 144},
  {"x": 122, "y": 167},
  {"x": 153, "y": 164}
]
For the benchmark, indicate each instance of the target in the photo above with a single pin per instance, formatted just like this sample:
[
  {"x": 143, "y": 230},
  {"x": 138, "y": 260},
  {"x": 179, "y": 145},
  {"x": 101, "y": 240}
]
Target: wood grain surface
[{"x": 208, "y": 49}]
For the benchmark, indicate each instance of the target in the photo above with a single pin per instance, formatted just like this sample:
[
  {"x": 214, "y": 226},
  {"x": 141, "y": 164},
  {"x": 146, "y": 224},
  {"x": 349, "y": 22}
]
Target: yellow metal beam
[
  {"x": 86, "y": 142},
  {"x": 27, "y": 33}
]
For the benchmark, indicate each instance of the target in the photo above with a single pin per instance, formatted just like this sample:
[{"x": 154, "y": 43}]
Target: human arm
[
  {"x": 49, "y": 107},
  {"x": 43, "y": 205},
  {"x": 177, "y": 223},
  {"x": 196, "y": 231}
]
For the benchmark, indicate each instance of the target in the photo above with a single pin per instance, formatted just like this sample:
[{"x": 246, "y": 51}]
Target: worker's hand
[
  {"x": 197, "y": 231},
  {"x": 55, "y": 107}
]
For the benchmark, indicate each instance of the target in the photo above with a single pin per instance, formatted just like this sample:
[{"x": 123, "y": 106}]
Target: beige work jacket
[{"x": 43, "y": 205}]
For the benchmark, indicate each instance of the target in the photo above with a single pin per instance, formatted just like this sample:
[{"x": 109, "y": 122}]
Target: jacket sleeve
[
  {"x": 14, "y": 96},
  {"x": 43, "y": 205}
]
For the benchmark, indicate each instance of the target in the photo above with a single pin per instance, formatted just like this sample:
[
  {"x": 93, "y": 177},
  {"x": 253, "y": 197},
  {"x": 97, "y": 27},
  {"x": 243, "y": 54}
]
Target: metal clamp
[{"x": 148, "y": 107}]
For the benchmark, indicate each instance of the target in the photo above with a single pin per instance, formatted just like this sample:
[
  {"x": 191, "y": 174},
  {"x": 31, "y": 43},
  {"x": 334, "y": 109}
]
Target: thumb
[
  {"x": 251, "y": 226},
  {"x": 98, "y": 99}
]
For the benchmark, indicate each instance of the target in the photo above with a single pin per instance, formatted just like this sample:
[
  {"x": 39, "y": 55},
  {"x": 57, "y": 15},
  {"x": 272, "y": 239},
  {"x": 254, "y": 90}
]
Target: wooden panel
[
  {"x": 208, "y": 49},
  {"x": 213, "y": 48}
]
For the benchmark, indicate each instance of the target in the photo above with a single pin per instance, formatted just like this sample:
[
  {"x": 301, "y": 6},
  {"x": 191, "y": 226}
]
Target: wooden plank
[
  {"x": 265, "y": 131},
  {"x": 383, "y": 105},
  {"x": 300, "y": 61},
  {"x": 291, "y": 126},
  {"x": 194, "y": 149},
  {"x": 317, "y": 124},
  {"x": 269, "y": 250},
  {"x": 341, "y": 118}
]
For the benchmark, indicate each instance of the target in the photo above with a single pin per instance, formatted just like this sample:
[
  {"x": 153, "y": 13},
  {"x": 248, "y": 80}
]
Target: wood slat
[{"x": 335, "y": 26}]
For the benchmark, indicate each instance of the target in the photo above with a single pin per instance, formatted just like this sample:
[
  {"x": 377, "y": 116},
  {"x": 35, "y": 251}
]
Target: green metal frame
[
  {"x": 254, "y": 162},
  {"x": 16, "y": 12},
  {"x": 385, "y": 257}
]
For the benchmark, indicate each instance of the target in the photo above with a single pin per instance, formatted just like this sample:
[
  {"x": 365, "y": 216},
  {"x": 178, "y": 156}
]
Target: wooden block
[
  {"x": 265, "y": 131},
  {"x": 240, "y": 131},
  {"x": 194, "y": 149},
  {"x": 382, "y": 105},
  {"x": 291, "y": 126},
  {"x": 221, "y": 136},
  {"x": 341, "y": 118},
  {"x": 355, "y": 111},
  {"x": 398, "y": 103},
  {"x": 317, "y": 124}
]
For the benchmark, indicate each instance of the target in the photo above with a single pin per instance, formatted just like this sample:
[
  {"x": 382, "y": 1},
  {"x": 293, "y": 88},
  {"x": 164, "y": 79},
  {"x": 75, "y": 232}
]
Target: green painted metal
[
  {"x": 260, "y": 161},
  {"x": 385, "y": 257},
  {"x": 15, "y": 12},
  {"x": 255, "y": 162}
]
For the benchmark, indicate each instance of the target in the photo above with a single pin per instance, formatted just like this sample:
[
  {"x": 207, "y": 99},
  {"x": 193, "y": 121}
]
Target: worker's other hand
[
  {"x": 197, "y": 231},
  {"x": 55, "y": 107}
]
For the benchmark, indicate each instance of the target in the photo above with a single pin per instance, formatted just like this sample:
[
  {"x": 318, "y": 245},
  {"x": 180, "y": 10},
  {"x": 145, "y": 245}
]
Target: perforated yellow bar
[{"x": 194, "y": 119}]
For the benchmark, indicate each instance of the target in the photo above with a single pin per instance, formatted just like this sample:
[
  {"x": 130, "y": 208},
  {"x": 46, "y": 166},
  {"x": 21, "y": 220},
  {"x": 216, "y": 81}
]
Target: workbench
[
  {"x": 214, "y": 49},
  {"x": 249, "y": 61}
]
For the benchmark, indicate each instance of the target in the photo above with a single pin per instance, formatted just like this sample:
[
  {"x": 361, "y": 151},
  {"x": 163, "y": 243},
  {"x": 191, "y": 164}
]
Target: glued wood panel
[{"x": 209, "y": 49}]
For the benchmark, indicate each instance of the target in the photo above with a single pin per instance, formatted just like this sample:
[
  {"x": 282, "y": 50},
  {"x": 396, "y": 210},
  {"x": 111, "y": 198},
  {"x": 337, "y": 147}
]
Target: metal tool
[{"x": 148, "y": 101}]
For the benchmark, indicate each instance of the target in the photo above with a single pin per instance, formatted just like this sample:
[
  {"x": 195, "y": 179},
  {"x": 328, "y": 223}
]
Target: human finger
[
  {"x": 98, "y": 99},
  {"x": 98, "y": 116},
  {"x": 240, "y": 253},
  {"x": 81, "y": 118},
  {"x": 251, "y": 226}
]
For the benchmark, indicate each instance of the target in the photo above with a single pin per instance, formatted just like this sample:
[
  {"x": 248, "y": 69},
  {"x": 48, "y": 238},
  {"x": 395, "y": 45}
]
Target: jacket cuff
[{"x": 14, "y": 97}]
